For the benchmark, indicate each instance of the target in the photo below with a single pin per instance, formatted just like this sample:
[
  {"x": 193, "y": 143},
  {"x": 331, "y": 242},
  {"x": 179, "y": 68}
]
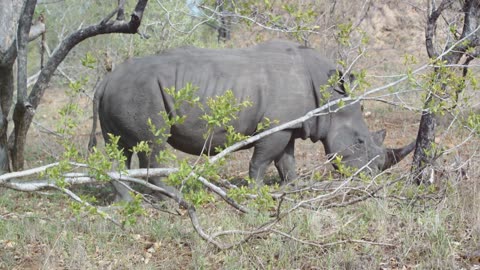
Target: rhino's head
[{"x": 349, "y": 137}]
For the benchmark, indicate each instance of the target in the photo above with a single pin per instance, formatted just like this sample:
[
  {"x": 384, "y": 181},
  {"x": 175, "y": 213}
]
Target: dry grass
[
  {"x": 396, "y": 230},
  {"x": 41, "y": 232}
]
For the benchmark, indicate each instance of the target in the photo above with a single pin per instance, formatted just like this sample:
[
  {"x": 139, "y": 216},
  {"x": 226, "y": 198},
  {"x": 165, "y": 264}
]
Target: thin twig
[{"x": 79, "y": 200}]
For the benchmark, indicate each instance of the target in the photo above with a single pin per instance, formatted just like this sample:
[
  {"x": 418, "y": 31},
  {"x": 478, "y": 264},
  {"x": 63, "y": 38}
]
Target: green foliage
[
  {"x": 409, "y": 59},
  {"x": 361, "y": 82},
  {"x": 232, "y": 137},
  {"x": 240, "y": 194},
  {"x": 187, "y": 176},
  {"x": 71, "y": 113},
  {"x": 76, "y": 87},
  {"x": 264, "y": 199},
  {"x": 343, "y": 169},
  {"x": 161, "y": 133},
  {"x": 324, "y": 90},
  {"x": 56, "y": 173},
  {"x": 183, "y": 175},
  {"x": 187, "y": 179},
  {"x": 343, "y": 33},
  {"x": 186, "y": 95},
  {"x": 98, "y": 164},
  {"x": 142, "y": 146},
  {"x": 299, "y": 21},
  {"x": 132, "y": 210},
  {"x": 78, "y": 208},
  {"x": 113, "y": 159},
  {"x": 265, "y": 124},
  {"x": 165, "y": 156},
  {"x": 336, "y": 81},
  {"x": 199, "y": 196},
  {"x": 89, "y": 61},
  {"x": 69, "y": 119},
  {"x": 303, "y": 16},
  {"x": 473, "y": 122},
  {"x": 115, "y": 153},
  {"x": 445, "y": 86},
  {"x": 223, "y": 109}
]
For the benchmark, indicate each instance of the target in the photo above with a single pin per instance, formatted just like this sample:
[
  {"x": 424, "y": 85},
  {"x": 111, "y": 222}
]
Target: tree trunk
[
  {"x": 6, "y": 95},
  {"x": 9, "y": 13},
  {"x": 24, "y": 24},
  {"x": 24, "y": 112},
  {"x": 424, "y": 156},
  {"x": 225, "y": 25}
]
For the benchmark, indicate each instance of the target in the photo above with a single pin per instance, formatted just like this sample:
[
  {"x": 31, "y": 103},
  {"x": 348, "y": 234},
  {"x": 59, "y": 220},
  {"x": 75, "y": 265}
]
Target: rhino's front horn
[{"x": 396, "y": 155}]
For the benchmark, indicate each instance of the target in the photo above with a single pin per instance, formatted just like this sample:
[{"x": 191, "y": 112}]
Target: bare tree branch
[
  {"x": 121, "y": 10},
  {"x": 357, "y": 241},
  {"x": 432, "y": 25},
  {"x": 198, "y": 228}
]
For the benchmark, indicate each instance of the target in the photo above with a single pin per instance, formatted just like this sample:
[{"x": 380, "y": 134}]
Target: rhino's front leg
[
  {"x": 285, "y": 164},
  {"x": 267, "y": 150}
]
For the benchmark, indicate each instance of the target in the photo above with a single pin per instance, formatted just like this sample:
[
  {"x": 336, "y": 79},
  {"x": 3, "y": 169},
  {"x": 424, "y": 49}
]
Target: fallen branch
[
  {"x": 347, "y": 241},
  {"x": 85, "y": 178}
]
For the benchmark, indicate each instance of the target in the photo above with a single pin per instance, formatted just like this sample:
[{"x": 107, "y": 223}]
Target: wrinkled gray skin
[{"x": 282, "y": 79}]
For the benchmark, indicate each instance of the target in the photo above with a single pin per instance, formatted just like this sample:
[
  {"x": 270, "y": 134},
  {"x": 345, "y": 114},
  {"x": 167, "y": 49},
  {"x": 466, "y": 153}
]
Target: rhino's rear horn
[
  {"x": 396, "y": 155},
  {"x": 379, "y": 136}
]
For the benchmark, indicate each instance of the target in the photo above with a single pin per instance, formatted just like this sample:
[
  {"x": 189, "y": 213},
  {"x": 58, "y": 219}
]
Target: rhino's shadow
[{"x": 270, "y": 179}]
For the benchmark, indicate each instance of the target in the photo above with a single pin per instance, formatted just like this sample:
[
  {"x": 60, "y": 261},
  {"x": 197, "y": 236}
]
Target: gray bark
[
  {"x": 24, "y": 24},
  {"x": 9, "y": 13}
]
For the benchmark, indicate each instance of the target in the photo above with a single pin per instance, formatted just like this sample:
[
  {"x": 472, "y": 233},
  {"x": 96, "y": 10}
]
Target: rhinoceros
[{"x": 283, "y": 80}]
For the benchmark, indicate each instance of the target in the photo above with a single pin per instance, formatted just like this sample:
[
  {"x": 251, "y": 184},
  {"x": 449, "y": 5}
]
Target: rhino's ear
[
  {"x": 339, "y": 87},
  {"x": 351, "y": 78},
  {"x": 334, "y": 72},
  {"x": 379, "y": 136},
  {"x": 341, "y": 77}
]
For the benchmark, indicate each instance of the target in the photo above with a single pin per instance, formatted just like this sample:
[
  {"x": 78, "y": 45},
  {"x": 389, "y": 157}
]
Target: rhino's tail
[{"x": 96, "y": 98}]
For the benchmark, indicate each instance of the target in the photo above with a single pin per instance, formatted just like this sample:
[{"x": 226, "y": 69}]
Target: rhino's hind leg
[
  {"x": 267, "y": 150},
  {"x": 122, "y": 192},
  {"x": 151, "y": 162},
  {"x": 285, "y": 163}
]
